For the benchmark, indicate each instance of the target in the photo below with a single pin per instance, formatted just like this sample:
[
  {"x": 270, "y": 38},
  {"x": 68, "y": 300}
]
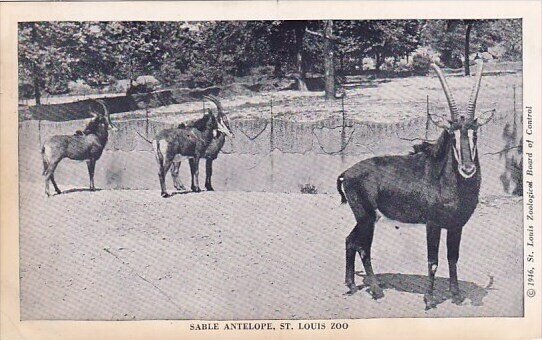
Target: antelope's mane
[
  {"x": 436, "y": 150},
  {"x": 92, "y": 126},
  {"x": 199, "y": 124}
]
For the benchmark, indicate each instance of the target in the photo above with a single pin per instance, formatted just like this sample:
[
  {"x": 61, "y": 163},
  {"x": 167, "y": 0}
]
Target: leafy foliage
[{"x": 97, "y": 54}]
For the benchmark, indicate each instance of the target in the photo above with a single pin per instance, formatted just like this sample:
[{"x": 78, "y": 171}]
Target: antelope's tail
[
  {"x": 340, "y": 180},
  {"x": 45, "y": 163},
  {"x": 157, "y": 152}
]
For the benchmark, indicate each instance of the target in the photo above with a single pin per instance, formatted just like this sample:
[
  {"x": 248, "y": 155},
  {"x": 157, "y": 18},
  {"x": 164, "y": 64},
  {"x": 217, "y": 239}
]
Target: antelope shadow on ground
[
  {"x": 74, "y": 190},
  {"x": 416, "y": 284}
]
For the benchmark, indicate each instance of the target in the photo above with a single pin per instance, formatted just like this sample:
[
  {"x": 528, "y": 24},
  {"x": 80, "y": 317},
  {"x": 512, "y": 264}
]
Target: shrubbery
[
  {"x": 421, "y": 63},
  {"x": 79, "y": 87}
]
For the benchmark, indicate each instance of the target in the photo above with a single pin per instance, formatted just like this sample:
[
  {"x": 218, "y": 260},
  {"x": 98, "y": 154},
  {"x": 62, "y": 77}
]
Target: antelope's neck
[{"x": 103, "y": 135}]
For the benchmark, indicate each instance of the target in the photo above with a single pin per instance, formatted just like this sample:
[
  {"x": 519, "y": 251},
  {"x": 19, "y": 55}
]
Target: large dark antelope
[
  {"x": 212, "y": 151},
  {"x": 83, "y": 145},
  {"x": 172, "y": 145},
  {"x": 437, "y": 185}
]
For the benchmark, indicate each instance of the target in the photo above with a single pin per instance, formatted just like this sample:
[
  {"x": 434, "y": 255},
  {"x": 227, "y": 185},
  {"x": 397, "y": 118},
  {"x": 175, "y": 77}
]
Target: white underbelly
[{"x": 179, "y": 157}]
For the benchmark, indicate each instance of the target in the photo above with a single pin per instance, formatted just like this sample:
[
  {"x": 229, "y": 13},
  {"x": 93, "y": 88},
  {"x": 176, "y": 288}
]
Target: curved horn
[
  {"x": 451, "y": 102},
  {"x": 215, "y": 100},
  {"x": 475, "y": 89},
  {"x": 106, "y": 113}
]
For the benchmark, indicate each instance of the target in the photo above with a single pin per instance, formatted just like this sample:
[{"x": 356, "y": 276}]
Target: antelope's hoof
[
  {"x": 58, "y": 192},
  {"x": 430, "y": 301},
  {"x": 165, "y": 195},
  {"x": 457, "y": 298},
  {"x": 209, "y": 188},
  {"x": 180, "y": 187},
  {"x": 196, "y": 189},
  {"x": 376, "y": 292},
  {"x": 352, "y": 289}
]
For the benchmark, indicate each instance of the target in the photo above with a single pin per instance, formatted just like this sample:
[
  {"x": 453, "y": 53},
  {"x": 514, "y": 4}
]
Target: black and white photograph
[{"x": 251, "y": 170}]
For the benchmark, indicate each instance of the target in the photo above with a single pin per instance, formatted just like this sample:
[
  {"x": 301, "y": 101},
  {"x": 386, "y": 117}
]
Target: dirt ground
[
  {"x": 124, "y": 255},
  {"x": 129, "y": 254}
]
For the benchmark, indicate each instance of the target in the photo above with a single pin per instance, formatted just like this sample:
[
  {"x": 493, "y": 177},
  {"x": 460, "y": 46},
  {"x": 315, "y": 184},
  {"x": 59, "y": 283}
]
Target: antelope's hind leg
[
  {"x": 194, "y": 170},
  {"x": 175, "y": 166},
  {"x": 54, "y": 184},
  {"x": 162, "y": 176},
  {"x": 360, "y": 241},
  {"x": 48, "y": 174}
]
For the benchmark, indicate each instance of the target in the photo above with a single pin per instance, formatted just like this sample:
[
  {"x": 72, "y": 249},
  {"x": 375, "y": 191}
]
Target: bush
[
  {"x": 421, "y": 63},
  {"x": 308, "y": 189},
  {"x": 79, "y": 87}
]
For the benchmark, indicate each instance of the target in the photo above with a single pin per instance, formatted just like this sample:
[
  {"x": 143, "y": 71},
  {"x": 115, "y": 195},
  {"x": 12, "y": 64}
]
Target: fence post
[
  {"x": 39, "y": 132},
  {"x": 427, "y": 118},
  {"x": 271, "y": 137},
  {"x": 343, "y": 131},
  {"x": 147, "y": 122},
  {"x": 515, "y": 122},
  {"x": 272, "y": 146}
]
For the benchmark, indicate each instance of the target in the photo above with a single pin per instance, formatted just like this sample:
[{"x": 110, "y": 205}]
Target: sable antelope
[
  {"x": 212, "y": 151},
  {"x": 172, "y": 145},
  {"x": 83, "y": 145},
  {"x": 437, "y": 185}
]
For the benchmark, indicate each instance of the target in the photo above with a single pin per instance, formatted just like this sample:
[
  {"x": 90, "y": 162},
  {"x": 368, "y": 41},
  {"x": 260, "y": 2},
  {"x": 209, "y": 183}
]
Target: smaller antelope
[
  {"x": 172, "y": 145},
  {"x": 212, "y": 151},
  {"x": 83, "y": 145}
]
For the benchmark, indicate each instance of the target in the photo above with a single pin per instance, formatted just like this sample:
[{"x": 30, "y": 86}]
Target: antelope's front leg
[
  {"x": 194, "y": 169},
  {"x": 91, "y": 165},
  {"x": 453, "y": 240},
  {"x": 433, "y": 242},
  {"x": 208, "y": 174}
]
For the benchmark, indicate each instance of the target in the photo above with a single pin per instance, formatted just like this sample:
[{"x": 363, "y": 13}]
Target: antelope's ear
[
  {"x": 484, "y": 117},
  {"x": 440, "y": 121}
]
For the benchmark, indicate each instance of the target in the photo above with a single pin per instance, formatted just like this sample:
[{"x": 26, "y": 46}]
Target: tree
[
  {"x": 46, "y": 52},
  {"x": 379, "y": 38},
  {"x": 329, "y": 56},
  {"x": 456, "y": 39},
  {"x": 329, "y": 66}
]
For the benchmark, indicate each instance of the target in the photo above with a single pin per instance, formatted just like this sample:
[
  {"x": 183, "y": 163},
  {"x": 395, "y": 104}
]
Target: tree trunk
[
  {"x": 37, "y": 94},
  {"x": 277, "y": 72},
  {"x": 378, "y": 63},
  {"x": 299, "y": 35},
  {"x": 35, "y": 69},
  {"x": 446, "y": 56},
  {"x": 328, "y": 61},
  {"x": 467, "y": 48}
]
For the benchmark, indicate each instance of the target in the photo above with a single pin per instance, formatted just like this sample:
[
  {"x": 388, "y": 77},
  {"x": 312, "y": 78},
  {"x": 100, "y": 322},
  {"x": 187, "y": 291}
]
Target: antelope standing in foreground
[
  {"x": 83, "y": 145},
  {"x": 172, "y": 145},
  {"x": 437, "y": 185}
]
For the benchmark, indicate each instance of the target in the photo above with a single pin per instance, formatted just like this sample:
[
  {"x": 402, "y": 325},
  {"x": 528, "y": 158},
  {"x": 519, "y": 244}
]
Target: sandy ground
[{"x": 124, "y": 255}]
